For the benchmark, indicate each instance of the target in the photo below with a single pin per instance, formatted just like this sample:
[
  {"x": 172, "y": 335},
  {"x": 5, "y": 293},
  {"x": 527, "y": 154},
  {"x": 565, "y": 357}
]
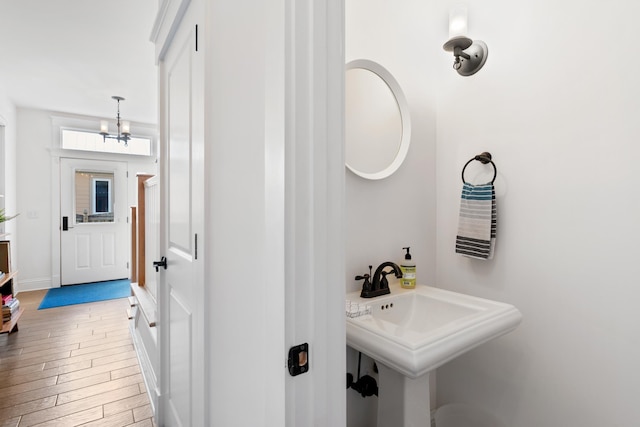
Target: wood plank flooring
[{"x": 72, "y": 366}]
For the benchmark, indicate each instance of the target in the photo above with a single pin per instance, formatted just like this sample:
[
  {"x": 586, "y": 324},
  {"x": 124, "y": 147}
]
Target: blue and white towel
[{"x": 477, "y": 222}]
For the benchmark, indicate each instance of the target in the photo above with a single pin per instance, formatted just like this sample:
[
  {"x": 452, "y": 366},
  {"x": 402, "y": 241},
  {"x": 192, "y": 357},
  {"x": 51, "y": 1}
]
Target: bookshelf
[{"x": 6, "y": 286}]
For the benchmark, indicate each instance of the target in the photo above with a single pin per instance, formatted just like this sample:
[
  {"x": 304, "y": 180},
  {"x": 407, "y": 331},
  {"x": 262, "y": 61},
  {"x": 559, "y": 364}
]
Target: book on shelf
[
  {"x": 6, "y": 298},
  {"x": 10, "y": 307},
  {"x": 9, "y": 316},
  {"x": 12, "y": 303}
]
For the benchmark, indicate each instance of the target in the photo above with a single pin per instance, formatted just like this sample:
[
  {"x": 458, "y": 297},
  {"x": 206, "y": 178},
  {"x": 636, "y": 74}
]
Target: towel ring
[{"x": 483, "y": 158}]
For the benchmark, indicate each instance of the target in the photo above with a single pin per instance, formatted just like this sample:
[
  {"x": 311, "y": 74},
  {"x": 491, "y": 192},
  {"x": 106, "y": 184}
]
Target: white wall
[
  {"x": 35, "y": 136},
  {"x": 384, "y": 216},
  {"x": 557, "y": 105}
]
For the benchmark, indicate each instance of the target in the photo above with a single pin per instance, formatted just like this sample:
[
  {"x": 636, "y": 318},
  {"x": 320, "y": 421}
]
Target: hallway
[{"x": 72, "y": 366}]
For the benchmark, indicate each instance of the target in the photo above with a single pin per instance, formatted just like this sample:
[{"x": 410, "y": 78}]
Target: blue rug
[{"x": 90, "y": 292}]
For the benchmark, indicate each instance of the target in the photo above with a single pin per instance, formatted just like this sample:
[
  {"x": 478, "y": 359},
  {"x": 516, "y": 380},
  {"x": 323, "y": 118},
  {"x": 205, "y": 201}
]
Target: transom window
[{"x": 91, "y": 141}]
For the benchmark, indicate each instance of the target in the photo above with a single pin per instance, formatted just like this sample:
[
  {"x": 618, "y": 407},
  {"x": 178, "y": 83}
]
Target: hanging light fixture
[{"x": 124, "y": 128}]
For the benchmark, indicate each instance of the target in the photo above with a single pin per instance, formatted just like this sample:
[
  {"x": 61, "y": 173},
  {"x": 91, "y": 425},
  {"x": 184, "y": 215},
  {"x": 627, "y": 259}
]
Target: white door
[
  {"x": 181, "y": 324},
  {"x": 93, "y": 221}
]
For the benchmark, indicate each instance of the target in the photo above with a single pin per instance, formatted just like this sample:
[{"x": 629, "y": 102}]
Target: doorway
[{"x": 94, "y": 230}]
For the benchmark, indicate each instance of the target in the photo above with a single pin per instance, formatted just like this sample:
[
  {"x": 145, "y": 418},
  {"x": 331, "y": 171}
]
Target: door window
[{"x": 93, "y": 197}]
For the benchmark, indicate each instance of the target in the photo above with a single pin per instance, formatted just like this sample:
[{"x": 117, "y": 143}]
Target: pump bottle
[{"x": 408, "y": 267}]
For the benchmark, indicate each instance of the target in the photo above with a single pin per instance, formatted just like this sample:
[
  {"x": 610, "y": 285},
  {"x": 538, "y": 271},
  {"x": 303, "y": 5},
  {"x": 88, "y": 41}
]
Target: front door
[
  {"x": 93, "y": 224},
  {"x": 182, "y": 337}
]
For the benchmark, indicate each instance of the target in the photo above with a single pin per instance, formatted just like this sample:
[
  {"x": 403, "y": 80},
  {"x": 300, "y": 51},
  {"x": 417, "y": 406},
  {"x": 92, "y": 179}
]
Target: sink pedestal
[{"x": 402, "y": 401}]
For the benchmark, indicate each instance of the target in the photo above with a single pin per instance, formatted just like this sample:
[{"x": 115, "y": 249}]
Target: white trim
[
  {"x": 315, "y": 266},
  {"x": 275, "y": 150},
  {"x": 36, "y": 284},
  {"x": 158, "y": 23},
  {"x": 148, "y": 373},
  {"x": 56, "y": 257},
  {"x": 170, "y": 14}
]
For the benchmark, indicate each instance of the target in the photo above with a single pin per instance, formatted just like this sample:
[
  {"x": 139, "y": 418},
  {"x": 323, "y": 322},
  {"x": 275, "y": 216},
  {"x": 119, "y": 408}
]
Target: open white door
[
  {"x": 182, "y": 340},
  {"x": 274, "y": 198},
  {"x": 93, "y": 221}
]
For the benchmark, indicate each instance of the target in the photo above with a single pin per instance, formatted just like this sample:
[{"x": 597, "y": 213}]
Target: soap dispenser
[{"x": 408, "y": 267}]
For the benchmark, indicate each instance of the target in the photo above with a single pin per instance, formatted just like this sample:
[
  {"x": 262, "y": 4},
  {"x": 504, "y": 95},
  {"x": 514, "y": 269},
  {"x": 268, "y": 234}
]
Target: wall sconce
[{"x": 469, "y": 55}]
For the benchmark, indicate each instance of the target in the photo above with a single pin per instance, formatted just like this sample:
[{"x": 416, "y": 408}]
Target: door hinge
[
  {"x": 127, "y": 265},
  {"x": 196, "y": 37},
  {"x": 127, "y": 172},
  {"x": 196, "y": 246}
]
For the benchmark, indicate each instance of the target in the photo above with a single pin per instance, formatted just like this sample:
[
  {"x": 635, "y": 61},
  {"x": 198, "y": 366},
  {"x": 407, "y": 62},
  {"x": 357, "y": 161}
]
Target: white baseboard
[
  {"x": 148, "y": 374},
  {"x": 24, "y": 285}
]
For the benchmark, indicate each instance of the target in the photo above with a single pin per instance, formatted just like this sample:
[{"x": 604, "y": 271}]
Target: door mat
[{"x": 87, "y": 292}]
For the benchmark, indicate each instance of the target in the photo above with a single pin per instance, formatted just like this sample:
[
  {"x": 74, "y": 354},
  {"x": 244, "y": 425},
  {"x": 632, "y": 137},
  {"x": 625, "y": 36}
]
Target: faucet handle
[
  {"x": 366, "y": 286},
  {"x": 384, "y": 283}
]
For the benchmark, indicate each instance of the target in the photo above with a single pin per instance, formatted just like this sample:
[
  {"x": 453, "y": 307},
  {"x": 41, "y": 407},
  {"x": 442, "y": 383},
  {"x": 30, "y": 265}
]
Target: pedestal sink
[{"x": 412, "y": 332}]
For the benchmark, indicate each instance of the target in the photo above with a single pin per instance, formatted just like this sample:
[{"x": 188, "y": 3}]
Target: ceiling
[{"x": 72, "y": 56}]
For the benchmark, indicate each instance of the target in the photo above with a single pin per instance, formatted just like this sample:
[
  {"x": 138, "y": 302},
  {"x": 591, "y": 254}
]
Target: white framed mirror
[{"x": 377, "y": 121}]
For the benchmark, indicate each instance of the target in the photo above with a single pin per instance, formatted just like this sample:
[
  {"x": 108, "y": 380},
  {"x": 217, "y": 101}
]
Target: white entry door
[
  {"x": 181, "y": 322},
  {"x": 93, "y": 221}
]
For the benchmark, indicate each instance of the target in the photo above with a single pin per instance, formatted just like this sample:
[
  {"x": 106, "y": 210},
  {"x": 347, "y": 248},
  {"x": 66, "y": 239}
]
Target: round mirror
[{"x": 377, "y": 123}]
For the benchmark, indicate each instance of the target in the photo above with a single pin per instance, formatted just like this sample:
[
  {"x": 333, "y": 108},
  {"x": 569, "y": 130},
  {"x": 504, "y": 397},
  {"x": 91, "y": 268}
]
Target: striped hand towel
[{"x": 477, "y": 223}]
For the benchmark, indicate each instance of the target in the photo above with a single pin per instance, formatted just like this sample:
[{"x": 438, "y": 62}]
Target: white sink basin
[{"x": 415, "y": 331}]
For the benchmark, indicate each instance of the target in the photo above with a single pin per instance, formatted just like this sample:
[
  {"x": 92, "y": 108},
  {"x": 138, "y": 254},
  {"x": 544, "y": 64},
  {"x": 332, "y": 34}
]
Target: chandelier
[{"x": 124, "y": 128}]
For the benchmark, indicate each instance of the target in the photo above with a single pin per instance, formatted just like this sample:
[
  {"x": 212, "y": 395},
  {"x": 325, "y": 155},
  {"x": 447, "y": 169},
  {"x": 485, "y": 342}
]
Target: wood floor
[{"x": 71, "y": 366}]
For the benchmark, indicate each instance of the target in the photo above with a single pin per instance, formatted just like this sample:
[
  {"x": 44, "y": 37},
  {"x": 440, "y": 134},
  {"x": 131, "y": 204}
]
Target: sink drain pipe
[{"x": 366, "y": 385}]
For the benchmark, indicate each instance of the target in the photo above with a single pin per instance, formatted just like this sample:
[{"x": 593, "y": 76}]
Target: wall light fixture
[{"x": 469, "y": 55}]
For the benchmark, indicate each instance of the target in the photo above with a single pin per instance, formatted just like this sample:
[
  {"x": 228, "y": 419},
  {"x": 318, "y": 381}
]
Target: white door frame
[
  {"x": 315, "y": 261},
  {"x": 120, "y": 268},
  {"x": 143, "y": 163},
  {"x": 296, "y": 261},
  {"x": 56, "y": 219}
]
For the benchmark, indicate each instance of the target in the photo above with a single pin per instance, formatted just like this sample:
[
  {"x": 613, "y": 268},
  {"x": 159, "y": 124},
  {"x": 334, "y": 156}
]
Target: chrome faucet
[{"x": 379, "y": 284}]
